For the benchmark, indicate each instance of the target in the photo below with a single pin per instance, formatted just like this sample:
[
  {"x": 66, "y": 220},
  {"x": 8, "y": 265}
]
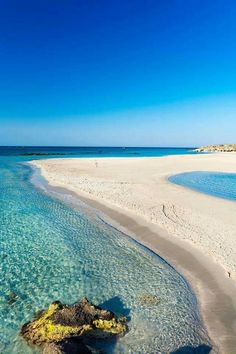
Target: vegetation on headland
[{"x": 217, "y": 148}]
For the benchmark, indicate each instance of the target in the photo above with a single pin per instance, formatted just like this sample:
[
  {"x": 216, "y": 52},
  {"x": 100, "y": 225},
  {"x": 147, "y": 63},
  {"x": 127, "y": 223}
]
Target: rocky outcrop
[
  {"x": 56, "y": 326},
  {"x": 217, "y": 148}
]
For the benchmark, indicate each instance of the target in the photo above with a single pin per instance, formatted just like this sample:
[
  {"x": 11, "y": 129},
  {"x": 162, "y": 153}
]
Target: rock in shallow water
[
  {"x": 149, "y": 300},
  {"x": 60, "y": 322}
]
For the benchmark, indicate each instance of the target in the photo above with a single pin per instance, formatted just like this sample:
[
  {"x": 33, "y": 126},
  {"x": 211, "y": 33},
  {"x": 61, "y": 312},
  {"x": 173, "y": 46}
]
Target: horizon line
[{"x": 97, "y": 146}]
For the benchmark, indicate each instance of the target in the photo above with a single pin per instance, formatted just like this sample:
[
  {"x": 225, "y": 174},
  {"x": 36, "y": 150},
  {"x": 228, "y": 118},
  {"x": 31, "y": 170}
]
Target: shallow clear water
[
  {"x": 217, "y": 184},
  {"x": 50, "y": 251}
]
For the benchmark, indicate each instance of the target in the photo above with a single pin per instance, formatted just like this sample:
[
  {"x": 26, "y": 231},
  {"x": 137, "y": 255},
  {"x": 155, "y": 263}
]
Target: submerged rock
[
  {"x": 61, "y": 322},
  {"x": 149, "y": 300},
  {"x": 11, "y": 298}
]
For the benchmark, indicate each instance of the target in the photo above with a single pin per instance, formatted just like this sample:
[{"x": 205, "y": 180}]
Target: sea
[{"x": 51, "y": 250}]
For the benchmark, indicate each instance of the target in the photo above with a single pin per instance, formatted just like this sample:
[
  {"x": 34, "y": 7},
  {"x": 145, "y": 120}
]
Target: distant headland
[{"x": 217, "y": 148}]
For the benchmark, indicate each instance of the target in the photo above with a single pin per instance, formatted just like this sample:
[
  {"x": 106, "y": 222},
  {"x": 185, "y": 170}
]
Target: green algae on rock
[{"x": 60, "y": 322}]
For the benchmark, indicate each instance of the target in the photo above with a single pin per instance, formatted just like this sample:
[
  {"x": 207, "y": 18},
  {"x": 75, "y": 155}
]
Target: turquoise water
[
  {"x": 51, "y": 251},
  {"x": 97, "y": 151},
  {"x": 217, "y": 184}
]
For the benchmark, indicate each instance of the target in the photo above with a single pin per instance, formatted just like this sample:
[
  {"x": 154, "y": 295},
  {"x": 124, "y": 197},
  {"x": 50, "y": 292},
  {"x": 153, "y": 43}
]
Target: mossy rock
[{"x": 60, "y": 322}]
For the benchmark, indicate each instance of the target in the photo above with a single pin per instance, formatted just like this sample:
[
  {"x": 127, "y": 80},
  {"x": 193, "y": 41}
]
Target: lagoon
[{"x": 216, "y": 184}]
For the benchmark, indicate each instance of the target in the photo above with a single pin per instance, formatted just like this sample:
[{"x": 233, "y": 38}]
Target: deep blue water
[
  {"x": 51, "y": 251},
  {"x": 96, "y": 151},
  {"x": 217, "y": 184}
]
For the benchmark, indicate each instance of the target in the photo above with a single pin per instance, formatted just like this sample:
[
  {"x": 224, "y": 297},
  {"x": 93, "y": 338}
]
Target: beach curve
[{"x": 98, "y": 183}]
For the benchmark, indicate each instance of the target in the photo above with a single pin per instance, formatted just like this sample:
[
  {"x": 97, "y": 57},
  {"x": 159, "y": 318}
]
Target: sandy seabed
[{"x": 195, "y": 232}]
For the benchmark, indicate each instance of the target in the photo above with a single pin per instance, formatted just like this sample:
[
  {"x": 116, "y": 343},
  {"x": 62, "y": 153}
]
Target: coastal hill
[{"x": 217, "y": 148}]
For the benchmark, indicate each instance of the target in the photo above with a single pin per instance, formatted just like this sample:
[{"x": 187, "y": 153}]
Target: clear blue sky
[{"x": 102, "y": 72}]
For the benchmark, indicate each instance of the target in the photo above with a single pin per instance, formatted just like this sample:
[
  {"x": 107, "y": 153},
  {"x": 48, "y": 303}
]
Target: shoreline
[
  {"x": 193, "y": 267},
  {"x": 214, "y": 291}
]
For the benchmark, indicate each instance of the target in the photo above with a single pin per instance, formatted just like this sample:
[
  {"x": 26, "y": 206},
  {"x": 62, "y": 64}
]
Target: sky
[{"x": 117, "y": 73}]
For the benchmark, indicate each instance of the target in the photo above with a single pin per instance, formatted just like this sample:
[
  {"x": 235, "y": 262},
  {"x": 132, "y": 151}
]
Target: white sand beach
[{"x": 193, "y": 231}]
